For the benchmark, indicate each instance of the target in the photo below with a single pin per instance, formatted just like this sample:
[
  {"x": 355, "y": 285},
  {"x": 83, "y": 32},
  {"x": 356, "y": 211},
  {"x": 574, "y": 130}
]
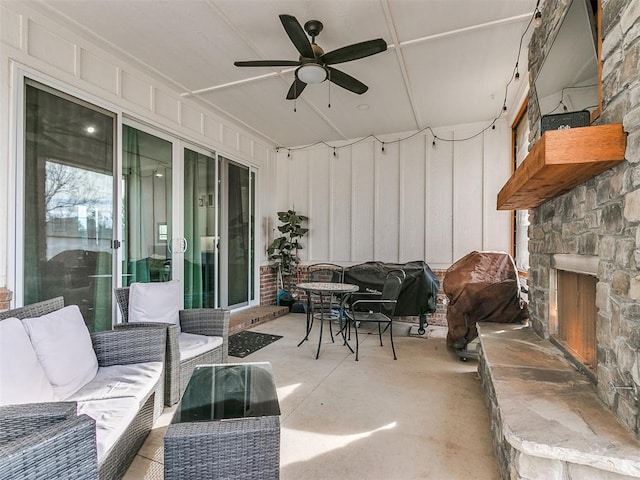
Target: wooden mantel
[{"x": 560, "y": 161}]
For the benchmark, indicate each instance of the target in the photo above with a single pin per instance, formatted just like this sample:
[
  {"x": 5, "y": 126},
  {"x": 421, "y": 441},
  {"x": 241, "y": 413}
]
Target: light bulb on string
[{"x": 537, "y": 18}]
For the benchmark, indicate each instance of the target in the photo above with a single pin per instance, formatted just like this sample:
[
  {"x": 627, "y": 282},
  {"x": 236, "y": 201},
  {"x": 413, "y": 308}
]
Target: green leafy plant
[{"x": 284, "y": 249}]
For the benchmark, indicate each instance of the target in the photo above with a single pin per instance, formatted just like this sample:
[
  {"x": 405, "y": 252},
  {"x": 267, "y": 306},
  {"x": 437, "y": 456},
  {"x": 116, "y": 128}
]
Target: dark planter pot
[{"x": 286, "y": 302}]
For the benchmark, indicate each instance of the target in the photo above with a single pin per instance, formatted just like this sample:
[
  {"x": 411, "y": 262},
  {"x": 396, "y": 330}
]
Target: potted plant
[{"x": 284, "y": 251}]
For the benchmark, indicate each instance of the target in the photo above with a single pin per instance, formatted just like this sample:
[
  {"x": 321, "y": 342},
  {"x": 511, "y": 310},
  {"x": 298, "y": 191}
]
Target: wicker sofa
[
  {"x": 81, "y": 437},
  {"x": 198, "y": 321}
]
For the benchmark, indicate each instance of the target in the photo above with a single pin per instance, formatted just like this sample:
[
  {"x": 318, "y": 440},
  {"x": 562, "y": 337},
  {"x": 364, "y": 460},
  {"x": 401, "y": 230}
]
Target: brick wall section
[
  {"x": 602, "y": 216},
  {"x": 5, "y": 298},
  {"x": 269, "y": 289},
  {"x": 268, "y": 286}
]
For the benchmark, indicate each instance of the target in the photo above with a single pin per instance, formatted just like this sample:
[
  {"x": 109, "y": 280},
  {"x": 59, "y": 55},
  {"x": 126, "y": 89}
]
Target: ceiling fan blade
[
  {"x": 296, "y": 89},
  {"x": 297, "y": 35},
  {"x": 267, "y": 63},
  {"x": 354, "y": 52},
  {"x": 346, "y": 81}
]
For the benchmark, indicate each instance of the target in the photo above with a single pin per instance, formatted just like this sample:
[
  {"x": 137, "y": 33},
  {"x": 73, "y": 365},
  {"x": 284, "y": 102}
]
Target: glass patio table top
[{"x": 228, "y": 391}]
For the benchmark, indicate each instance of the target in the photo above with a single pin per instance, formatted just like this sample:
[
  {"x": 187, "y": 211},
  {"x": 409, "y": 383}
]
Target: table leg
[
  {"x": 344, "y": 321},
  {"x": 309, "y": 320}
]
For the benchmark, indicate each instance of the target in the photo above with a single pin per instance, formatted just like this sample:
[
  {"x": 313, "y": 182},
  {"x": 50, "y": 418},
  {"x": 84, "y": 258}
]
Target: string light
[{"x": 536, "y": 19}]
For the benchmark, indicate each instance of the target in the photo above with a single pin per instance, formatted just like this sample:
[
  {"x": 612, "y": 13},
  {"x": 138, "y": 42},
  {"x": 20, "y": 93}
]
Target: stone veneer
[{"x": 600, "y": 217}]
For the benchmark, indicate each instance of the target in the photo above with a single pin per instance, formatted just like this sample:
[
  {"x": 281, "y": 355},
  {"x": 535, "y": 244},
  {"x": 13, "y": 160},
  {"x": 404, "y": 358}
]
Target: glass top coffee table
[{"x": 227, "y": 425}]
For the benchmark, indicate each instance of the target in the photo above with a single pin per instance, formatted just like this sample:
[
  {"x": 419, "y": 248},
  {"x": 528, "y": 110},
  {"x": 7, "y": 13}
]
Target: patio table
[
  {"x": 324, "y": 290},
  {"x": 227, "y": 425}
]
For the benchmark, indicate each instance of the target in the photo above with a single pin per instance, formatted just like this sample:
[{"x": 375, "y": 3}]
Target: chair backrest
[
  {"x": 122, "y": 298},
  {"x": 325, "y": 272},
  {"x": 35, "y": 309},
  {"x": 391, "y": 291}
]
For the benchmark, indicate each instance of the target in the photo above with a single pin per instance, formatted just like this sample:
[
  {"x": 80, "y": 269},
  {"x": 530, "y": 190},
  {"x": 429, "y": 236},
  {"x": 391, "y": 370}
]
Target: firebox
[{"x": 572, "y": 308}]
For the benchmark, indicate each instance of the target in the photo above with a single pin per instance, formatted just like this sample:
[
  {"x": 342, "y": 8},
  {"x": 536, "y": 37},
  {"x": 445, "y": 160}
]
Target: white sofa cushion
[
  {"x": 63, "y": 346},
  {"x": 135, "y": 380},
  {"x": 112, "y": 417},
  {"x": 192, "y": 345},
  {"x": 22, "y": 379},
  {"x": 155, "y": 302}
]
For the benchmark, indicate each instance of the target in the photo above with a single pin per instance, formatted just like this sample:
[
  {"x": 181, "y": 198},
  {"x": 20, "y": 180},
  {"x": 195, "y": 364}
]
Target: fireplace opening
[{"x": 573, "y": 305}]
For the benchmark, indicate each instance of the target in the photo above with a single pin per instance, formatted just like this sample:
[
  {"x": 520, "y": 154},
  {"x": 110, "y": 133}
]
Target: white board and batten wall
[{"x": 414, "y": 201}]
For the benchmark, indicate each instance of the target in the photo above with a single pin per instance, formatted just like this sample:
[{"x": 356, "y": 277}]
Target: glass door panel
[
  {"x": 200, "y": 230},
  {"x": 68, "y": 203},
  {"x": 147, "y": 203},
  {"x": 238, "y": 214}
]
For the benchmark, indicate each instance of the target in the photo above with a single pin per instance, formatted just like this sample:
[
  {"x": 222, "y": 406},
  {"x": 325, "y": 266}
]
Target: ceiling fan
[{"x": 314, "y": 64}]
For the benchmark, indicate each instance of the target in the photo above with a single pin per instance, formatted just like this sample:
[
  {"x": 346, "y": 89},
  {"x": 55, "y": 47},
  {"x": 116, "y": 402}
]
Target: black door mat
[{"x": 245, "y": 343}]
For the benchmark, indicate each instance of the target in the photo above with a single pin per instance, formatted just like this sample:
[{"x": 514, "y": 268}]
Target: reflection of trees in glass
[{"x": 70, "y": 190}]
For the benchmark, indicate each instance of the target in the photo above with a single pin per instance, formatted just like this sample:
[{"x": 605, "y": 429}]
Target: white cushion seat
[
  {"x": 192, "y": 345},
  {"x": 136, "y": 380},
  {"x": 112, "y": 417}
]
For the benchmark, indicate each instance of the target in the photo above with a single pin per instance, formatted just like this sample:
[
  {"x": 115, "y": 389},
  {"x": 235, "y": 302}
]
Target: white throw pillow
[
  {"x": 22, "y": 379},
  {"x": 63, "y": 345},
  {"x": 155, "y": 302}
]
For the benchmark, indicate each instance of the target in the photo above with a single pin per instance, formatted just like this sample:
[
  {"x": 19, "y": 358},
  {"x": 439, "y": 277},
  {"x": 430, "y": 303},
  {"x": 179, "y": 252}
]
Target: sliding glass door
[
  {"x": 176, "y": 211},
  {"x": 201, "y": 238},
  {"x": 147, "y": 198},
  {"x": 68, "y": 195},
  {"x": 237, "y": 250}
]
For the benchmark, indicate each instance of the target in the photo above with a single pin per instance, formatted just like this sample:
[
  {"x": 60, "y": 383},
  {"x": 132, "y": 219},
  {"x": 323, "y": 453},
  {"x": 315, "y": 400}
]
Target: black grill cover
[{"x": 419, "y": 290}]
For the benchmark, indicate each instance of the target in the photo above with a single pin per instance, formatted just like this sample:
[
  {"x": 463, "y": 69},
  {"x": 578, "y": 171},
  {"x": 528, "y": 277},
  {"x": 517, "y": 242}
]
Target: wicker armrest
[
  {"x": 172, "y": 355},
  {"x": 132, "y": 345},
  {"x": 213, "y": 322},
  {"x": 63, "y": 449},
  {"x": 20, "y": 420},
  {"x": 205, "y": 321}
]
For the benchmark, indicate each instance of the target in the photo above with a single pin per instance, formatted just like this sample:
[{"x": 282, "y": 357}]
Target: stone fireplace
[
  {"x": 551, "y": 421},
  {"x": 598, "y": 220}
]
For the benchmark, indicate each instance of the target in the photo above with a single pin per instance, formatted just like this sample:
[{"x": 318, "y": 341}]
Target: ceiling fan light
[{"x": 311, "y": 73}]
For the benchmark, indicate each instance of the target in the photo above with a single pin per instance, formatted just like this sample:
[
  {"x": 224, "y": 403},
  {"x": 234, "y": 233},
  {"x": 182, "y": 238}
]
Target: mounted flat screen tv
[{"x": 569, "y": 74}]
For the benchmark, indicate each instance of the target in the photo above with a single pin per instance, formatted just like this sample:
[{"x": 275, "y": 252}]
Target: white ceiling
[{"x": 448, "y": 61}]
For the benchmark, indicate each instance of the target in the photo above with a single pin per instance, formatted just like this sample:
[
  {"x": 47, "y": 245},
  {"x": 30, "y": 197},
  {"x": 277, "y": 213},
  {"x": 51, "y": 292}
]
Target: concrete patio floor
[{"x": 419, "y": 417}]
